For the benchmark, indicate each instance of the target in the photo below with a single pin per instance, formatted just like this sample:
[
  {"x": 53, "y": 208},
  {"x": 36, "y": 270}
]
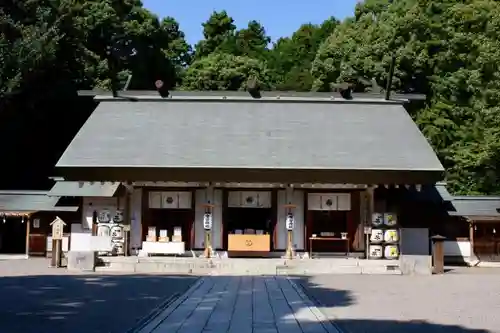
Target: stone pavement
[
  {"x": 38, "y": 299},
  {"x": 245, "y": 304}
]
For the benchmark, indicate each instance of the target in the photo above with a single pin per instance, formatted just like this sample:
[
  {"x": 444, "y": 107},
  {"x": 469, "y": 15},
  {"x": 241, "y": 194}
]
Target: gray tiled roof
[
  {"x": 443, "y": 191},
  {"x": 18, "y": 202},
  {"x": 75, "y": 189},
  {"x": 256, "y": 134},
  {"x": 476, "y": 206}
]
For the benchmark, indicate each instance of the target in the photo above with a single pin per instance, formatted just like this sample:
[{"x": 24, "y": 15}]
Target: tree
[
  {"x": 291, "y": 58},
  {"x": 49, "y": 49},
  {"x": 174, "y": 46},
  {"x": 216, "y": 30},
  {"x": 222, "y": 71},
  {"x": 250, "y": 42},
  {"x": 448, "y": 50}
]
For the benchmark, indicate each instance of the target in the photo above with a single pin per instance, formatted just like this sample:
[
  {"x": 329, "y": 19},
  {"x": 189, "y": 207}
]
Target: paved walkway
[{"x": 241, "y": 305}]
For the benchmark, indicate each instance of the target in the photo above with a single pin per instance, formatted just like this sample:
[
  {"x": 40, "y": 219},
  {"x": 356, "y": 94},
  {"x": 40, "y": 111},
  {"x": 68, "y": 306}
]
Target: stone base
[
  {"x": 81, "y": 261},
  {"x": 243, "y": 266}
]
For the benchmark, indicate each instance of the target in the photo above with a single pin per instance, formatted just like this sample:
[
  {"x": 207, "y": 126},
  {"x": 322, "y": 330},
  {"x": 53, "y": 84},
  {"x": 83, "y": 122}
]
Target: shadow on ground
[
  {"x": 331, "y": 298},
  {"x": 115, "y": 303},
  {"x": 82, "y": 303}
]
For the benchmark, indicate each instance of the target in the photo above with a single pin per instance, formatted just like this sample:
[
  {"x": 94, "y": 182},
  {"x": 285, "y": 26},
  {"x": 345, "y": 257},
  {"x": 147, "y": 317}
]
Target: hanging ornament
[
  {"x": 22, "y": 219},
  {"x": 4, "y": 220}
]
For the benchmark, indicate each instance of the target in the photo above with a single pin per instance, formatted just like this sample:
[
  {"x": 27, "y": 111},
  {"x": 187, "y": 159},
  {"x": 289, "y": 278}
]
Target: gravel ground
[
  {"x": 466, "y": 300},
  {"x": 38, "y": 299}
]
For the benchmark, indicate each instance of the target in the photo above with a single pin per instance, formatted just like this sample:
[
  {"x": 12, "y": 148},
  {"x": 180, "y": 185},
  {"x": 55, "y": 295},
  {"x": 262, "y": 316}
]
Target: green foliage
[
  {"x": 446, "y": 49},
  {"x": 291, "y": 58},
  {"x": 217, "y": 30},
  {"x": 223, "y": 71},
  {"x": 449, "y": 50},
  {"x": 48, "y": 45}
]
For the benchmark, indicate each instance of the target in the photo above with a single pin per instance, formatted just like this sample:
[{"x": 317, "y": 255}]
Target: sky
[{"x": 279, "y": 17}]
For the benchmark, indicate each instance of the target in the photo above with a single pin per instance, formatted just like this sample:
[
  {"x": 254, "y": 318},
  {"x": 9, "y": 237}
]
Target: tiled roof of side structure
[
  {"x": 478, "y": 206},
  {"x": 251, "y": 134},
  {"x": 74, "y": 189},
  {"x": 16, "y": 201}
]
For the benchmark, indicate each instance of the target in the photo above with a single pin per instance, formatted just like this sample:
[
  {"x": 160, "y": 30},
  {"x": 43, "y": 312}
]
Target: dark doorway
[
  {"x": 487, "y": 241},
  {"x": 334, "y": 223},
  {"x": 12, "y": 235},
  {"x": 168, "y": 219},
  {"x": 254, "y": 220}
]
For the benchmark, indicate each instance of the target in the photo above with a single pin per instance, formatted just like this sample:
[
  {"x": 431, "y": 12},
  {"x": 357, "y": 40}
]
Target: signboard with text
[{"x": 57, "y": 228}]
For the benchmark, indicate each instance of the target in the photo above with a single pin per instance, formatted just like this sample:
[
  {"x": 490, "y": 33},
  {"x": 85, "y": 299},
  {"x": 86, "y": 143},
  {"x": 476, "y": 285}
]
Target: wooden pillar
[
  {"x": 370, "y": 209},
  {"x": 438, "y": 254},
  {"x": 128, "y": 220},
  {"x": 28, "y": 222},
  {"x": 471, "y": 238},
  {"x": 363, "y": 204}
]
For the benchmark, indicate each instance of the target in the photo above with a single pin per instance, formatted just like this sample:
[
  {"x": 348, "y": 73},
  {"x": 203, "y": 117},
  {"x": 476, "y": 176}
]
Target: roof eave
[{"x": 252, "y": 175}]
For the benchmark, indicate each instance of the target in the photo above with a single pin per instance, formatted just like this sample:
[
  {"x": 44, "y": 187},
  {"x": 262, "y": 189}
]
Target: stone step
[{"x": 249, "y": 267}]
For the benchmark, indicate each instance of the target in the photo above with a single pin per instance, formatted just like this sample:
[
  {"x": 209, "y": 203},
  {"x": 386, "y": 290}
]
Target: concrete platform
[
  {"x": 13, "y": 256},
  {"x": 242, "y": 305},
  {"x": 238, "y": 266}
]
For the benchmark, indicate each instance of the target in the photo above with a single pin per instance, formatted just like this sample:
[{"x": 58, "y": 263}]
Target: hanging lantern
[
  {"x": 22, "y": 219},
  {"x": 207, "y": 220},
  {"x": 4, "y": 220},
  {"x": 290, "y": 221}
]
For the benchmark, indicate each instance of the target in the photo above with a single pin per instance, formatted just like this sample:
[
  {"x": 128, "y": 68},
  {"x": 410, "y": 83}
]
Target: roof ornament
[
  {"x": 345, "y": 89},
  {"x": 162, "y": 88},
  {"x": 253, "y": 87},
  {"x": 120, "y": 48},
  {"x": 389, "y": 78}
]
